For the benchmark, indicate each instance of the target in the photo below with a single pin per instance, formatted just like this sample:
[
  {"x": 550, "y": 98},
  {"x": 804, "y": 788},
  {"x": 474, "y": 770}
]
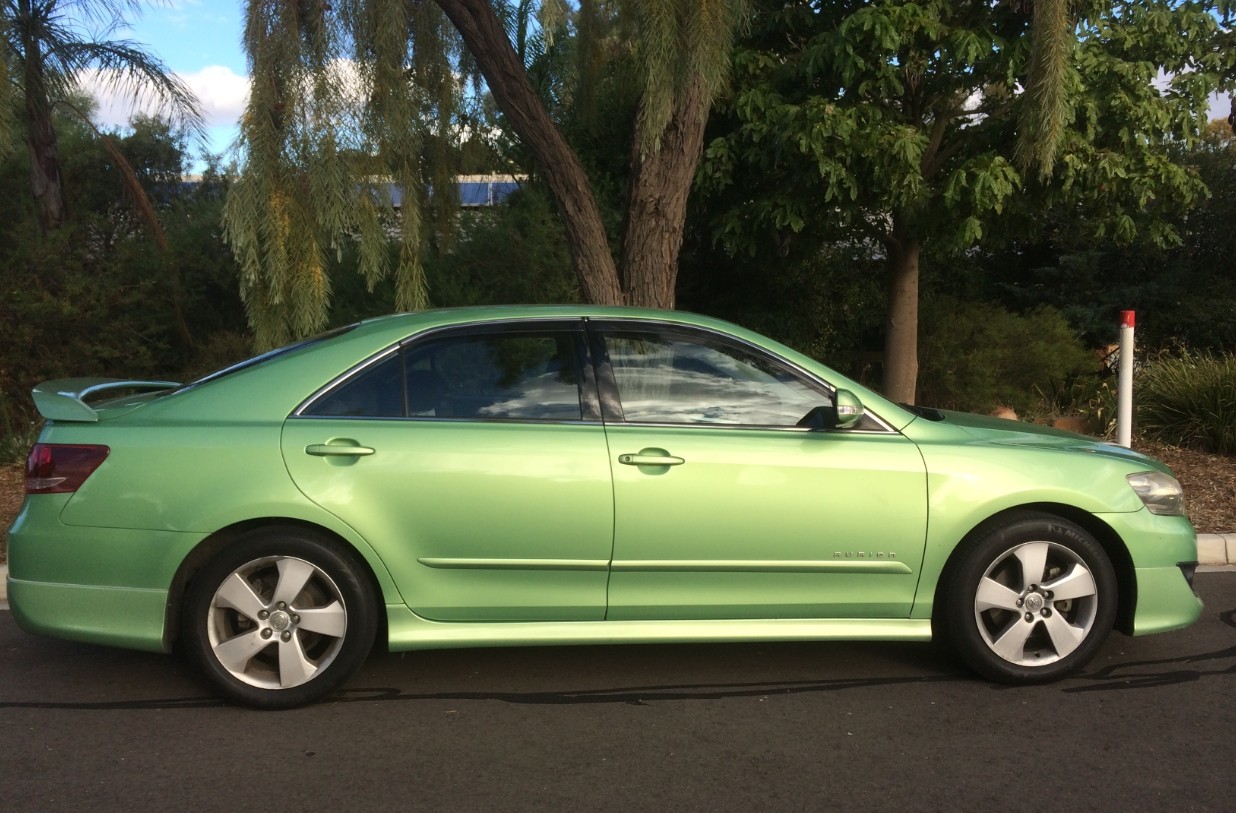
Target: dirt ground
[
  {"x": 12, "y": 491},
  {"x": 1209, "y": 482}
]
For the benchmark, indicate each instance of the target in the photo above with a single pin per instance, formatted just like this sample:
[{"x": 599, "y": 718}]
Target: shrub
[
  {"x": 1189, "y": 400},
  {"x": 976, "y": 356},
  {"x": 17, "y": 432}
]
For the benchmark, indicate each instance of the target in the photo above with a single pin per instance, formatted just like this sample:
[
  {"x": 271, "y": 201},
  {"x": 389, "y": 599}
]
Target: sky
[{"x": 199, "y": 40}]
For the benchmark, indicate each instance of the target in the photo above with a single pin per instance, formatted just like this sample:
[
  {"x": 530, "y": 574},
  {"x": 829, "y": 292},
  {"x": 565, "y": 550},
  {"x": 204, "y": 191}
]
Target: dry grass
[{"x": 1209, "y": 482}]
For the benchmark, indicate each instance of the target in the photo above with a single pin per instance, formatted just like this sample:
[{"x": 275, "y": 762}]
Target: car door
[
  {"x": 474, "y": 462},
  {"x": 727, "y": 508}
]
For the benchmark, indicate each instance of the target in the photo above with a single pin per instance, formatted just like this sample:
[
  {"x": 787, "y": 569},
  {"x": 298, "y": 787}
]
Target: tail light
[{"x": 60, "y": 468}]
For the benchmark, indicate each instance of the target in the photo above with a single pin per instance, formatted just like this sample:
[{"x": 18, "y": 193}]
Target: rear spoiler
[{"x": 65, "y": 399}]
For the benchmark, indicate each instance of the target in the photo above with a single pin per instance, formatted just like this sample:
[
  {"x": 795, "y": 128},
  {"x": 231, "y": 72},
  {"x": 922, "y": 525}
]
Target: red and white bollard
[{"x": 1124, "y": 386}]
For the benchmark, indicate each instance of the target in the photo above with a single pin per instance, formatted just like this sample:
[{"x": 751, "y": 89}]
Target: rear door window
[{"x": 515, "y": 374}]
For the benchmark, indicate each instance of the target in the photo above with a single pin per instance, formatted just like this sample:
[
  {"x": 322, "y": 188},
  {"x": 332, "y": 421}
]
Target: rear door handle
[
  {"x": 650, "y": 457},
  {"x": 344, "y": 449}
]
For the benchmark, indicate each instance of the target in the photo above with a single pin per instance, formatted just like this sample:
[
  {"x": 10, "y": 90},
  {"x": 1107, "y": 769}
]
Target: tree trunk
[
  {"x": 487, "y": 40},
  {"x": 45, "y": 181},
  {"x": 657, "y": 211},
  {"x": 901, "y": 337}
]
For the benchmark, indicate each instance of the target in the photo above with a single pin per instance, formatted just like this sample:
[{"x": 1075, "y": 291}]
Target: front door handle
[
  {"x": 347, "y": 448},
  {"x": 650, "y": 457}
]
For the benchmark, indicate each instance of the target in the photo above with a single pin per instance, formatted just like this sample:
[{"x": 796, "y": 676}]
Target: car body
[{"x": 557, "y": 475}]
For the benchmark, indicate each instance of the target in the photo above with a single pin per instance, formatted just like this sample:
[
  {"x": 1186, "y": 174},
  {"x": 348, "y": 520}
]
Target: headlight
[{"x": 1160, "y": 493}]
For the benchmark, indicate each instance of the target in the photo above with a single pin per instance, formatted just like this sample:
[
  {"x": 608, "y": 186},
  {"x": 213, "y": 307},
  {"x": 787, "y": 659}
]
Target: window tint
[
  {"x": 670, "y": 378},
  {"x": 524, "y": 376},
  {"x": 375, "y": 392},
  {"x": 479, "y": 376}
]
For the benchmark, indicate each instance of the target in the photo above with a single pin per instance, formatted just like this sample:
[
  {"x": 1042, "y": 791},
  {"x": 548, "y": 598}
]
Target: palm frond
[{"x": 126, "y": 69}]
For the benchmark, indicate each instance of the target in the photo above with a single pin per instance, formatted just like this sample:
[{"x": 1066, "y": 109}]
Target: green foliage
[
  {"x": 843, "y": 114},
  {"x": 513, "y": 254},
  {"x": 1188, "y": 400},
  {"x": 60, "y": 297},
  {"x": 895, "y": 121},
  {"x": 828, "y": 303},
  {"x": 1048, "y": 106},
  {"x": 683, "y": 50},
  {"x": 99, "y": 296},
  {"x": 350, "y": 103},
  {"x": 18, "y": 431},
  {"x": 913, "y": 106},
  {"x": 1183, "y": 294},
  {"x": 47, "y": 47},
  {"x": 977, "y": 356}
]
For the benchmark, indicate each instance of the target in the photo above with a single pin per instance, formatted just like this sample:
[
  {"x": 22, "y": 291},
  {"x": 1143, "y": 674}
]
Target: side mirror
[
  {"x": 845, "y": 413},
  {"x": 849, "y": 409}
]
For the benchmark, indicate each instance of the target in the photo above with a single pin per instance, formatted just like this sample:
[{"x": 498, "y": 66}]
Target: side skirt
[{"x": 408, "y": 631}]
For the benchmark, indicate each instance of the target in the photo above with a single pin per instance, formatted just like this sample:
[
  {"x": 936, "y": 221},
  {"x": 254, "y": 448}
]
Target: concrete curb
[
  {"x": 1216, "y": 549},
  {"x": 1212, "y": 549}
]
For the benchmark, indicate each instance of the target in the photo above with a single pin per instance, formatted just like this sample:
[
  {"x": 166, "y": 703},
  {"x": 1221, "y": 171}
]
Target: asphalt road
[{"x": 1151, "y": 726}]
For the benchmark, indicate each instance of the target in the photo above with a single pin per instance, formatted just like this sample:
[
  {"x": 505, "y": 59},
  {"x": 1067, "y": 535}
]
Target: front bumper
[
  {"x": 1165, "y": 600},
  {"x": 1163, "y": 551}
]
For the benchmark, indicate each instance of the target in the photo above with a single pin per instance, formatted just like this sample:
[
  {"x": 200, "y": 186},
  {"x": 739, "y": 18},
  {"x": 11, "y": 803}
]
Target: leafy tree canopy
[{"x": 899, "y": 120}]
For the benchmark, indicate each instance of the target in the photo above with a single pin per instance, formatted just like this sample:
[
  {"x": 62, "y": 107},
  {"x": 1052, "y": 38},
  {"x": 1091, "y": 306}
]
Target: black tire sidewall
[
  {"x": 961, "y": 630},
  {"x": 281, "y": 542}
]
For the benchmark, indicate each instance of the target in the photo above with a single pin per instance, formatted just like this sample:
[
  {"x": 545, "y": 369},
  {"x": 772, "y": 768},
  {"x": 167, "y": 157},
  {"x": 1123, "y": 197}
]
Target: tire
[
  {"x": 279, "y": 619},
  {"x": 1031, "y": 599}
]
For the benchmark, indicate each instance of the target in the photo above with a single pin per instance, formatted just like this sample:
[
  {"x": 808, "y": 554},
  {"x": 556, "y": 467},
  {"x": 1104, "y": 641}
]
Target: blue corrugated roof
[
  {"x": 485, "y": 193},
  {"x": 472, "y": 193}
]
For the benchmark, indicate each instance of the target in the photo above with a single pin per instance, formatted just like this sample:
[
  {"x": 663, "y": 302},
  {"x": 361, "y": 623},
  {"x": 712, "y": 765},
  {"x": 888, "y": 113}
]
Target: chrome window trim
[{"x": 340, "y": 380}]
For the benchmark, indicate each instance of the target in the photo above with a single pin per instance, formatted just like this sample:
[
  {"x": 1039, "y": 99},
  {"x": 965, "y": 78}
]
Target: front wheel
[
  {"x": 279, "y": 619},
  {"x": 1031, "y": 599}
]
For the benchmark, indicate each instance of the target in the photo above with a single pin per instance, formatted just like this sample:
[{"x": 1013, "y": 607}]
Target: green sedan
[{"x": 572, "y": 475}]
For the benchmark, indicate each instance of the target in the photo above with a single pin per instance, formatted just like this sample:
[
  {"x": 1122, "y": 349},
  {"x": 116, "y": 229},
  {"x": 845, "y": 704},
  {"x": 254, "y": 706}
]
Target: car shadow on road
[
  {"x": 1148, "y": 674},
  {"x": 880, "y": 664}
]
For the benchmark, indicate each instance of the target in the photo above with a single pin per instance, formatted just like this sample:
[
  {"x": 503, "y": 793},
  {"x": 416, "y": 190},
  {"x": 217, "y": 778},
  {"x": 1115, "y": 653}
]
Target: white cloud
[{"x": 221, "y": 93}]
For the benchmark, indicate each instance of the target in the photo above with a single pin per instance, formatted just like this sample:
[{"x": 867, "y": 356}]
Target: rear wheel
[
  {"x": 279, "y": 619},
  {"x": 1031, "y": 599}
]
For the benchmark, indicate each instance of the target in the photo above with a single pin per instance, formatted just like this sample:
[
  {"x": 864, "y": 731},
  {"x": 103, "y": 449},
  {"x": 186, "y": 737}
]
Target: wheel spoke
[
  {"x": 1011, "y": 645},
  {"x": 294, "y": 574},
  {"x": 237, "y": 594},
  {"x": 1033, "y": 558},
  {"x": 995, "y": 596},
  {"x": 331, "y": 620},
  {"x": 294, "y": 667},
  {"x": 235, "y": 653},
  {"x": 1077, "y": 583},
  {"x": 1064, "y": 636}
]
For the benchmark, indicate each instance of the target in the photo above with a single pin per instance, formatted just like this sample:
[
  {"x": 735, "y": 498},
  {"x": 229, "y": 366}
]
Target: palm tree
[{"x": 49, "y": 47}]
